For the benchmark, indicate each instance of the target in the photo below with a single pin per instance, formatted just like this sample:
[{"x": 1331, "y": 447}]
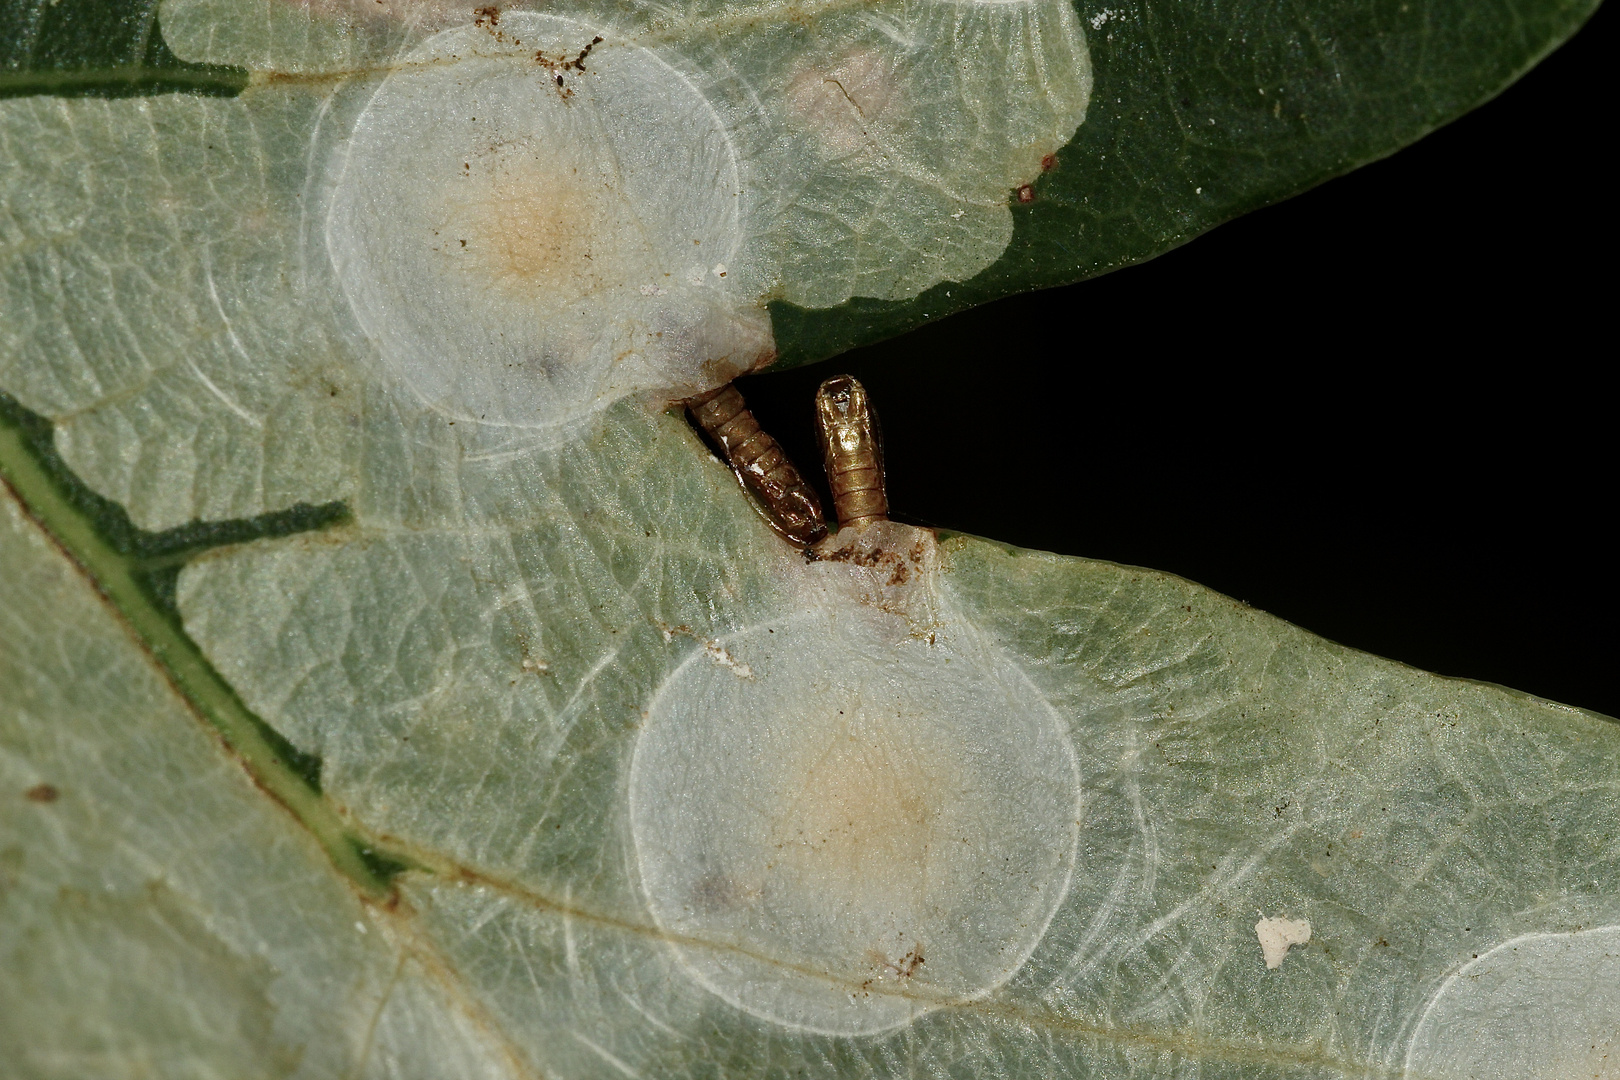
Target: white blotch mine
[
  {"x": 538, "y": 214},
  {"x": 845, "y": 102},
  {"x": 905, "y": 130},
  {"x": 1538, "y": 1007},
  {"x": 523, "y": 227},
  {"x": 880, "y": 820},
  {"x": 1277, "y": 935}
]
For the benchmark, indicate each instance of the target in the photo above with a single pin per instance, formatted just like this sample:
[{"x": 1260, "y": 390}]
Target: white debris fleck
[
  {"x": 360, "y": 926},
  {"x": 1278, "y": 934},
  {"x": 718, "y": 654},
  {"x": 713, "y": 649},
  {"x": 653, "y": 290},
  {"x": 719, "y": 269},
  {"x": 531, "y": 664},
  {"x": 1101, "y": 17}
]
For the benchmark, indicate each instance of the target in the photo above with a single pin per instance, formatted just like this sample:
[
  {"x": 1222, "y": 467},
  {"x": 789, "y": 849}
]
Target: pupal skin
[
  {"x": 867, "y": 812},
  {"x": 852, "y": 451},
  {"x": 789, "y": 505}
]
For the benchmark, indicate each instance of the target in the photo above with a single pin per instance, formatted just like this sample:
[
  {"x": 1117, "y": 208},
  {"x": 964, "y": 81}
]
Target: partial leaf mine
[{"x": 1535, "y": 1005}]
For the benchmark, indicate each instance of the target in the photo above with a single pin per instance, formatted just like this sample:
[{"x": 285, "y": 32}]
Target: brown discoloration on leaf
[
  {"x": 43, "y": 793},
  {"x": 897, "y": 970},
  {"x": 531, "y": 224},
  {"x": 902, "y": 565},
  {"x": 557, "y": 65}
]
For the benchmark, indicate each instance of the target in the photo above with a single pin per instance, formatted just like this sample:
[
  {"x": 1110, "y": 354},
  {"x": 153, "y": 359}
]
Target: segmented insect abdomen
[
  {"x": 852, "y": 448},
  {"x": 789, "y": 504}
]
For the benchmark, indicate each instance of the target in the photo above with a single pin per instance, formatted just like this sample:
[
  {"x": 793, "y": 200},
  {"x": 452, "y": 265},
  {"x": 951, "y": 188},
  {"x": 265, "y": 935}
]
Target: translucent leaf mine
[
  {"x": 529, "y": 229},
  {"x": 1537, "y": 1006},
  {"x": 493, "y": 219},
  {"x": 909, "y": 125},
  {"x": 164, "y": 305},
  {"x": 820, "y": 801},
  {"x": 537, "y": 215},
  {"x": 680, "y": 804}
]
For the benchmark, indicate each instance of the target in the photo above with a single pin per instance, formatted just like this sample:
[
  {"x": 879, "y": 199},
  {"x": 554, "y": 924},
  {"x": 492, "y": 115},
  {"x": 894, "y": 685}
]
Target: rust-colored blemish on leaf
[
  {"x": 43, "y": 793},
  {"x": 899, "y": 564},
  {"x": 558, "y": 65}
]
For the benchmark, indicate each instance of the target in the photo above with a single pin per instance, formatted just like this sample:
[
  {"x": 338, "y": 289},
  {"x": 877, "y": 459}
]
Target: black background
[{"x": 1378, "y": 410}]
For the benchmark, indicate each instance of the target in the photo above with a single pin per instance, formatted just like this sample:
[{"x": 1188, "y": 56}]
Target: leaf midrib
[{"x": 116, "y": 576}]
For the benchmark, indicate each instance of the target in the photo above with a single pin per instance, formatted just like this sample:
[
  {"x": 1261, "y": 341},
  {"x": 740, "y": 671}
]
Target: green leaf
[
  {"x": 110, "y": 48},
  {"x": 158, "y": 914},
  {"x": 1214, "y": 110},
  {"x": 477, "y": 698},
  {"x": 390, "y": 685}
]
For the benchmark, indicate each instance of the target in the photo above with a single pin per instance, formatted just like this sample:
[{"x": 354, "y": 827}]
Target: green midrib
[{"x": 159, "y": 632}]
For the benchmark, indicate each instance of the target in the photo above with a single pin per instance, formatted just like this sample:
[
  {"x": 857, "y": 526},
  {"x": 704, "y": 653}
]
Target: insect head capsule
[
  {"x": 788, "y": 503},
  {"x": 852, "y": 448}
]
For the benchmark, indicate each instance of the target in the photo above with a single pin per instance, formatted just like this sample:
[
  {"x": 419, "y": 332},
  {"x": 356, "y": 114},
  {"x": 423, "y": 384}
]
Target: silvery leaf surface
[{"x": 382, "y": 697}]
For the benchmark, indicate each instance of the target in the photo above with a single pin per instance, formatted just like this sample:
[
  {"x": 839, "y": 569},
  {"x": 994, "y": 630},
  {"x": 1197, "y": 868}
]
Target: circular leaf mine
[
  {"x": 533, "y": 221},
  {"x": 842, "y": 823},
  {"x": 1539, "y": 1005}
]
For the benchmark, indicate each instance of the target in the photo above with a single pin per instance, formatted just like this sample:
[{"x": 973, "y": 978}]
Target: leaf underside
[{"x": 318, "y": 711}]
